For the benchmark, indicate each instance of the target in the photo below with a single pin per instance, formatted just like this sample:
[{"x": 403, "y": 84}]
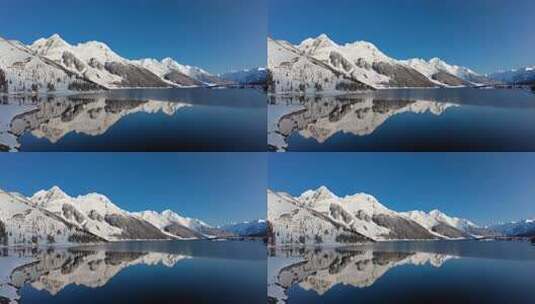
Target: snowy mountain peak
[
  {"x": 44, "y": 196},
  {"x": 310, "y": 45},
  {"x": 317, "y": 195},
  {"x": 56, "y": 39},
  {"x": 44, "y": 45}
]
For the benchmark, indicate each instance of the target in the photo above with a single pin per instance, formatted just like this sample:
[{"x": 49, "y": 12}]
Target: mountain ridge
[
  {"x": 91, "y": 217},
  {"x": 90, "y": 65},
  {"x": 319, "y": 64},
  {"x": 319, "y": 216}
]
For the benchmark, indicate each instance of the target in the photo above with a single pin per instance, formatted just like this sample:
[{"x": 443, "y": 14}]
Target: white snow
[
  {"x": 303, "y": 67},
  {"x": 321, "y": 213}
]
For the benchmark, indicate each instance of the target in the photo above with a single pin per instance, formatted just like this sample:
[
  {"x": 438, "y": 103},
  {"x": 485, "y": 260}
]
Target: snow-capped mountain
[
  {"x": 98, "y": 62},
  {"x": 257, "y": 76},
  {"x": 52, "y": 216},
  {"x": 53, "y": 64},
  {"x": 23, "y": 224},
  {"x": 320, "y": 64},
  {"x": 523, "y": 228},
  {"x": 441, "y": 224},
  {"x": 525, "y": 75},
  {"x": 97, "y": 214},
  {"x": 22, "y": 71},
  {"x": 319, "y": 216},
  {"x": 178, "y": 226},
  {"x": 256, "y": 228},
  {"x": 180, "y": 74}
]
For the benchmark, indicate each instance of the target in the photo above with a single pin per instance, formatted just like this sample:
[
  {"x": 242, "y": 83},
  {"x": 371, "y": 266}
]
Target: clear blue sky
[
  {"x": 216, "y": 187},
  {"x": 486, "y": 35},
  {"x": 486, "y": 188},
  {"x": 218, "y": 35}
]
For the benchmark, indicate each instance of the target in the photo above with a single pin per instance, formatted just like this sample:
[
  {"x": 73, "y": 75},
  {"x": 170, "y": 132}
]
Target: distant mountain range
[
  {"x": 320, "y": 217},
  {"x": 51, "y": 216},
  {"x": 523, "y": 228},
  {"x": 522, "y": 76},
  {"x": 52, "y": 64},
  {"x": 257, "y": 76},
  {"x": 319, "y": 64},
  {"x": 255, "y": 228}
]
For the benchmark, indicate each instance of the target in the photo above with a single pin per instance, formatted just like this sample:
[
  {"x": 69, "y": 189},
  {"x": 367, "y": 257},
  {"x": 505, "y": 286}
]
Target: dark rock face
[
  {"x": 402, "y": 228},
  {"x": 134, "y": 76},
  {"x": 118, "y": 106},
  {"x": 402, "y": 76},
  {"x": 387, "y": 106},
  {"x": 449, "y": 79},
  {"x": 339, "y": 61},
  {"x": 181, "y": 79},
  {"x": 351, "y": 238},
  {"x": 3, "y": 82},
  {"x": 70, "y": 61},
  {"x": 3, "y": 234},
  {"x": 94, "y": 215},
  {"x": 134, "y": 228},
  {"x": 338, "y": 213},
  {"x": 271, "y": 238},
  {"x": 83, "y": 85},
  {"x": 351, "y": 86},
  {"x": 183, "y": 232},
  {"x": 70, "y": 213},
  {"x": 449, "y": 231},
  {"x": 94, "y": 63},
  {"x": 118, "y": 258}
]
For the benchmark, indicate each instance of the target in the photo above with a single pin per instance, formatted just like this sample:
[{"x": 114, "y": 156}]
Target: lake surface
[
  {"x": 463, "y": 119},
  {"x": 197, "y": 119},
  {"x": 454, "y": 272},
  {"x": 138, "y": 272}
]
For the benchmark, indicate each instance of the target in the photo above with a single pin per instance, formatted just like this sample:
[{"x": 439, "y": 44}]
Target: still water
[
  {"x": 137, "y": 272},
  {"x": 199, "y": 119},
  {"x": 464, "y": 119},
  {"x": 405, "y": 272}
]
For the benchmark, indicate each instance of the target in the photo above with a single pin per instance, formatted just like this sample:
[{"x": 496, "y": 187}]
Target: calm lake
[
  {"x": 197, "y": 119},
  {"x": 405, "y": 272},
  {"x": 463, "y": 119},
  {"x": 138, "y": 272}
]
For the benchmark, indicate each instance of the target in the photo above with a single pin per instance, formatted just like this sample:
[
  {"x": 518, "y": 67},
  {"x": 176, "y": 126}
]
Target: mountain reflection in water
[
  {"x": 136, "y": 272},
  {"x": 320, "y": 118},
  {"x": 56, "y": 117},
  {"x": 404, "y": 272},
  {"x": 453, "y": 119}
]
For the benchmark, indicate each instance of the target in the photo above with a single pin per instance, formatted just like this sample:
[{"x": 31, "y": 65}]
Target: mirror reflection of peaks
[
  {"x": 321, "y": 117},
  {"x": 60, "y": 116},
  {"x": 53, "y": 270},
  {"x": 320, "y": 270}
]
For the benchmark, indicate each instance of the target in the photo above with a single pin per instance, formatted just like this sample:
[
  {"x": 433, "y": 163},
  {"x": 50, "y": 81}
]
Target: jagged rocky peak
[
  {"x": 45, "y": 196},
  {"x": 319, "y": 194},
  {"x": 53, "y": 41},
  {"x": 314, "y": 43}
]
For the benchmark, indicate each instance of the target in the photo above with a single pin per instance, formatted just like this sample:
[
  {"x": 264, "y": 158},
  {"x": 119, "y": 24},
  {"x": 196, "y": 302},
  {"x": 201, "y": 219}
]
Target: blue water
[
  {"x": 478, "y": 120},
  {"x": 214, "y": 272},
  {"x": 474, "y": 272},
  {"x": 214, "y": 120}
]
